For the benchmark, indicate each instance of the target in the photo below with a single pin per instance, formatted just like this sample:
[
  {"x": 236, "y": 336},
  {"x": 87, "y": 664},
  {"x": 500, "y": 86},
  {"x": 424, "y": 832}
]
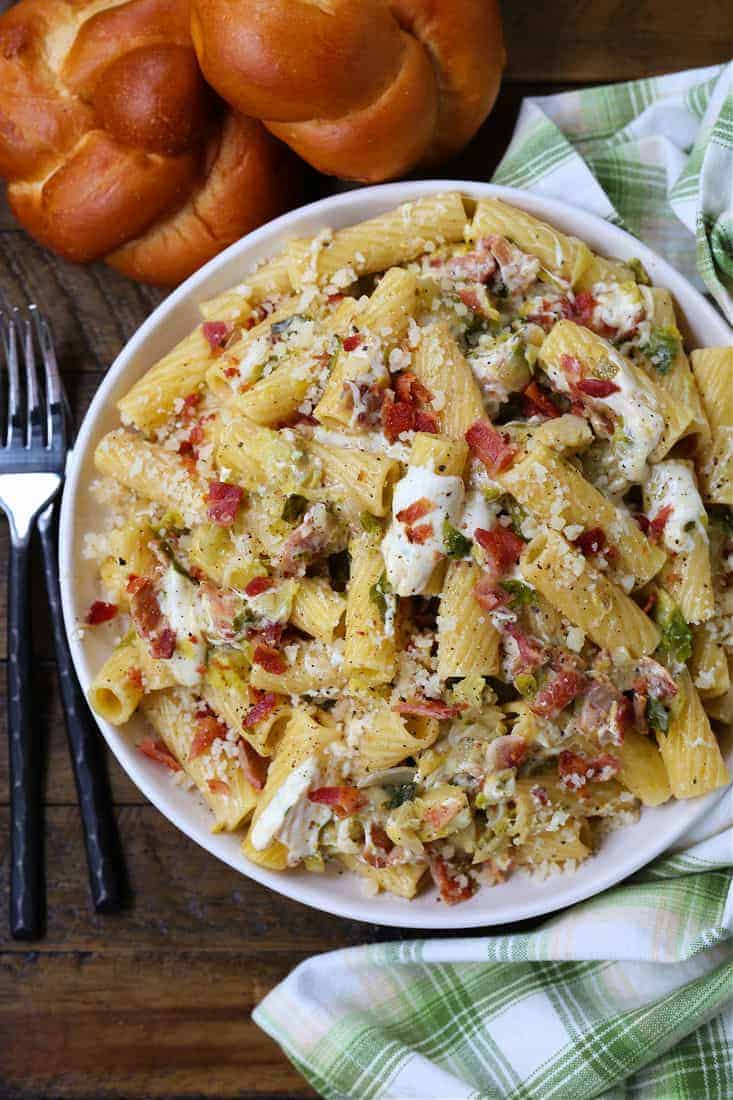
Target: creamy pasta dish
[{"x": 417, "y": 554}]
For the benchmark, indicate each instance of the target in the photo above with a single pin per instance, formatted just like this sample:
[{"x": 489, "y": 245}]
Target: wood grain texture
[{"x": 155, "y": 1001}]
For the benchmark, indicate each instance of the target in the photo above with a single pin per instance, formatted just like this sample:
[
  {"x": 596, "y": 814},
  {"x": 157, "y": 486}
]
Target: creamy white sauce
[
  {"x": 477, "y": 512},
  {"x": 409, "y": 565},
  {"x": 248, "y": 367},
  {"x": 672, "y": 483},
  {"x": 618, "y": 305},
  {"x": 179, "y": 602},
  {"x": 639, "y": 424},
  {"x": 285, "y": 799}
]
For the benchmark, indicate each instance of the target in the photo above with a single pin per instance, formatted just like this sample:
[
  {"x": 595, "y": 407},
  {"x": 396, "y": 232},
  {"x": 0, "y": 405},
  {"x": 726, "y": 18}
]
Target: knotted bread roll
[
  {"x": 364, "y": 89},
  {"x": 113, "y": 146}
]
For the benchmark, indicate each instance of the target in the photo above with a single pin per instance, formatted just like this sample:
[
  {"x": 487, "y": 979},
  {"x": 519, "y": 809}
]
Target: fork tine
[
  {"x": 34, "y": 431},
  {"x": 10, "y": 348},
  {"x": 55, "y": 396}
]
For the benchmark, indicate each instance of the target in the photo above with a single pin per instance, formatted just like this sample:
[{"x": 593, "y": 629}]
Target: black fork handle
[
  {"x": 104, "y": 859},
  {"x": 27, "y": 902}
]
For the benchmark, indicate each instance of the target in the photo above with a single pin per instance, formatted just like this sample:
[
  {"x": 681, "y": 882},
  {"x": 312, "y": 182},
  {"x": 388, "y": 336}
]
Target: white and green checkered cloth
[{"x": 628, "y": 996}]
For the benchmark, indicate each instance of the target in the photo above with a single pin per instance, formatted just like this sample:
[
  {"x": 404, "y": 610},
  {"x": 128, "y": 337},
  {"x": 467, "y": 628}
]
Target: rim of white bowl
[{"x": 560, "y": 890}]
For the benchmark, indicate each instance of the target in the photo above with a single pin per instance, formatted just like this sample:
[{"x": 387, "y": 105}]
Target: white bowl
[{"x": 623, "y": 851}]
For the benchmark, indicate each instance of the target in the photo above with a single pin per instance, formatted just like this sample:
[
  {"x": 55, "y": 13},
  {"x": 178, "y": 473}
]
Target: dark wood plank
[
  {"x": 140, "y": 1023},
  {"x": 607, "y": 40}
]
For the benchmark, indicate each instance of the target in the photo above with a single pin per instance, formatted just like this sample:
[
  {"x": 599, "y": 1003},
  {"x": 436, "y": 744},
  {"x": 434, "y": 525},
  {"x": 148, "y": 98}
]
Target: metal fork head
[{"x": 34, "y": 453}]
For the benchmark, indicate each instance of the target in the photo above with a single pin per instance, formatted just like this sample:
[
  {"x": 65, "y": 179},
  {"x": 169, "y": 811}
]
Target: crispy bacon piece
[
  {"x": 258, "y": 585},
  {"x": 492, "y": 447},
  {"x": 409, "y": 388},
  {"x": 488, "y": 596},
  {"x": 421, "y": 534},
  {"x": 100, "y": 612},
  {"x": 592, "y": 541},
  {"x": 218, "y": 786},
  {"x": 508, "y": 751},
  {"x": 222, "y": 502},
  {"x": 344, "y": 801},
  {"x": 208, "y": 729},
  {"x": 659, "y": 522},
  {"x": 148, "y": 619},
  {"x": 452, "y": 890},
  {"x": 397, "y": 417},
  {"x": 253, "y": 765},
  {"x": 260, "y": 709},
  {"x": 518, "y": 269},
  {"x": 477, "y": 266},
  {"x": 537, "y": 403},
  {"x": 642, "y": 522},
  {"x": 427, "y": 422},
  {"x": 597, "y": 387},
  {"x": 269, "y": 658},
  {"x": 223, "y": 608},
  {"x": 582, "y": 308},
  {"x": 442, "y": 813},
  {"x": 416, "y": 511},
  {"x": 502, "y": 548},
  {"x": 654, "y": 680},
  {"x": 377, "y": 847},
  {"x": 539, "y": 795},
  {"x": 351, "y": 343},
  {"x": 428, "y": 708},
  {"x": 559, "y": 690},
  {"x": 190, "y": 403},
  {"x": 531, "y": 653},
  {"x": 135, "y": 676},
  {"x": 217, "y": 333},
  {"x": 605, "y": 707},
  {"x": 156, "y": 750},
  {"x": 575, "y": 770}
]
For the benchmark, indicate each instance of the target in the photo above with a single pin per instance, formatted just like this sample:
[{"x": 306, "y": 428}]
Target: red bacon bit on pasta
[
  {"x": 531, "y": 653},
  {"x": 420, "y": 534},
  {"x": 416, "y": 511},
  {"x": 560, "y": 689},
  {"x": 427, "y": 422},
  {"x": 351, "y": 343},
  {"x": 222, "y": 502},
  {"x": 135, "y": 677},
  {"x": 657, "y": 525},
  {"x": 100, "y": 612},
  {"x": 452, "y": 889},
  {"x": 575, "y": 770},
  {"x": 270, "y": 659},
  {"x": 377, "y": 848},
  {"x": 502, "y": 548},
  {"x": 488, "y": 596},
  {"x": 156, "y": 750},
  {"x": 258, "y": 585},
  {"x": 344, "y": 801},
  {"x": 254, "y": 766},
  {"x": 208, "y": 729},
  {"x": 597, "y": 387},
  {"x": 218, "y": 786},
  {"x": 260, "y": 709},
  {"x": 654, "y": 680},
  {"x": 190, "y": 403},
  {"x": 397, "y": 417},
  {"x": 537, "y": 403},
  {"x": 492, "y": 447},
  {"x": 217, "y": 333},
  {"x": 147, "y": 617},
  {"x": 410, "y": 389},
  {"x": 429, "y": 708},
  {"x": 540, "y": 795},
  {"x": 592, "y": 541},
  {"x": 583, "y": 307}
]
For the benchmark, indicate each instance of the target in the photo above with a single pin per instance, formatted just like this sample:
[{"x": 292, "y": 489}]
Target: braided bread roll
[
  {"x": 114, "y": 147},
  {"x": 364, "y": 89}
]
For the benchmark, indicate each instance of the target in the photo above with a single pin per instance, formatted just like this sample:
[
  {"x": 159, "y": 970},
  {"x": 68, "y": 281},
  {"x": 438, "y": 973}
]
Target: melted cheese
[
  {"x": 285, "y": 799},
  {"x": 179, "y": 602},
  {"x": 409, "y": 565},
  {"x": 672, "y": 484}
]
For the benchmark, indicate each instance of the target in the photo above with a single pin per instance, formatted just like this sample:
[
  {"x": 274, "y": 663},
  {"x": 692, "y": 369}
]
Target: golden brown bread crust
[
  {"x": 364, "y": 89},
  {"x": 111, "y": 141}
]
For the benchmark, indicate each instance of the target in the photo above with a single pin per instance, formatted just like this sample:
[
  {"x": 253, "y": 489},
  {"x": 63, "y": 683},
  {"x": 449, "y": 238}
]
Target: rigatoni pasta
[{"x": 418, "y": 553}]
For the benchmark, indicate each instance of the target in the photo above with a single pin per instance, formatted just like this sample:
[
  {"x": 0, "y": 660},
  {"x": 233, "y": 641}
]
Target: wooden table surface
[{"x": 155, "y": 1001}]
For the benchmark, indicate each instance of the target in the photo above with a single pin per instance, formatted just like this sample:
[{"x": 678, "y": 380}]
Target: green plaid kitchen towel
[{"x": 628, "y": 996}]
